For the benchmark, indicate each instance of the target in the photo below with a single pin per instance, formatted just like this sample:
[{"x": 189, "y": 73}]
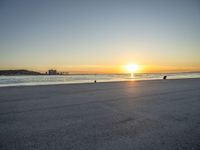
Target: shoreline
[{"x": 57, "y": 84}]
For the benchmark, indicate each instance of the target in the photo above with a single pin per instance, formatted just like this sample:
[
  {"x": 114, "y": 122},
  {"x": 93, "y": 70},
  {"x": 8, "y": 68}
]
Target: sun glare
[{"x": 132, "y": 68}]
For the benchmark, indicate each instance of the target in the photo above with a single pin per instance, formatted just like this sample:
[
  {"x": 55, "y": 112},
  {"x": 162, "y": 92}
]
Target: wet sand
[{"x": 143, "y": 115}]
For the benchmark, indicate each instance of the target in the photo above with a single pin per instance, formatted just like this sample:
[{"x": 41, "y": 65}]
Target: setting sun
[{"x": 131, "y": 67}]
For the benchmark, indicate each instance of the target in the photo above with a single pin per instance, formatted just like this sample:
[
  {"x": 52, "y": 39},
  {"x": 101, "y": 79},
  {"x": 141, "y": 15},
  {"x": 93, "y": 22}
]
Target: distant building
[{"x": 52, "y": 72}]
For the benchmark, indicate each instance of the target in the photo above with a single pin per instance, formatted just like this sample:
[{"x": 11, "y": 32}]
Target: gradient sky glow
[{"x": 100, "y": 36}]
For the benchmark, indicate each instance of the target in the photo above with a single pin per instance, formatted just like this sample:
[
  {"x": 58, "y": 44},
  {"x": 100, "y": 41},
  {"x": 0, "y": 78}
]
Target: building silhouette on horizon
[{"x": 52, "y": 72}]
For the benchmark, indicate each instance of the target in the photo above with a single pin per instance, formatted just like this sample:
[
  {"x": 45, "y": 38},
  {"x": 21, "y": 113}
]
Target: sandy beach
[{"x": 139, "y": 115}]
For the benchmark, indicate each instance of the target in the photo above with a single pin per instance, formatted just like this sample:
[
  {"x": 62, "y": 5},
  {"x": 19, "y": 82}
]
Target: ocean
[{"x": 29, "y": 80}]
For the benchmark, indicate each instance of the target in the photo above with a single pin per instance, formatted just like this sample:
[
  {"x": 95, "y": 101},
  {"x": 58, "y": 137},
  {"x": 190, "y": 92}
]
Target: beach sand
[{"x": 143, "y": 115}]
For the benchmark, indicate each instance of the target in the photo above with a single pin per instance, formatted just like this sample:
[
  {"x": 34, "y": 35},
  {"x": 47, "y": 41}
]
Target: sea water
[{"x": 28, "y": 80}]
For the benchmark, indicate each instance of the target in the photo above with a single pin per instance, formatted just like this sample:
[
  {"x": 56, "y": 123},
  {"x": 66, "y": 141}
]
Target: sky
[{"x": 100, "y": 36}]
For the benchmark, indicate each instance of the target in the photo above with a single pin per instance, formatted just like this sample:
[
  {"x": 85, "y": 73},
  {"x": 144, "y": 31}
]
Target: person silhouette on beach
[{"x": 165, "y": 77}]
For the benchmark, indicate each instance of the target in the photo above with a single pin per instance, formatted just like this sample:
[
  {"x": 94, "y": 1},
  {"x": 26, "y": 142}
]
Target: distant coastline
[
  {"x": 19, "y": 72},
  {"x": 54, "y": 72},
  {"x": 29, "y": 72}
]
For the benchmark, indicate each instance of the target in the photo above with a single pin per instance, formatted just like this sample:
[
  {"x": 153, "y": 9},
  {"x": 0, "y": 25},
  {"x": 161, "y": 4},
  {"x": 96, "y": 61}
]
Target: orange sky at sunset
[
  {"x": 100, "y": 36},
  {"x": 120, "y": 69}
]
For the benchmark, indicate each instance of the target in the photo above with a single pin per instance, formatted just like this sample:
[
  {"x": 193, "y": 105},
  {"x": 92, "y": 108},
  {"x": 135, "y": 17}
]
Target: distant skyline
[{"x": 100, "y": 36}]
